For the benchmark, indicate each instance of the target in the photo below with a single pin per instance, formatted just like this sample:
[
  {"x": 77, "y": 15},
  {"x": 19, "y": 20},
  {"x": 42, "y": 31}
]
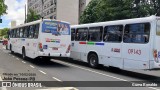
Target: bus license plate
[{"x": 54, "y": 48}]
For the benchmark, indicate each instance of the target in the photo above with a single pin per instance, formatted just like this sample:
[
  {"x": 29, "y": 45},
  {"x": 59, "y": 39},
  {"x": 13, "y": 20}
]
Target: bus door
[
  {"x": 136, "y": 46},
  {"x": 156, "y": 51},
  {"x": 17, "y": 41},
  {"x": 74, "y": 54},
  {"x": 113, "y": 45},
  {"x": 80, "y": 43},
  {"x": 32, "y": 42}
]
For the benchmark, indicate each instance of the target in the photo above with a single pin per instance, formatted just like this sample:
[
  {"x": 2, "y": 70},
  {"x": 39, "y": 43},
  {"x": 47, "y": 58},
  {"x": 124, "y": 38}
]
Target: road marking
[
  {"x": 13, "y": 56},
  {"x": 91, "y": 71},
  {"x": 57, "y": 79},
  {"x": 153, "y": 88},
  {"x": 31, "y": 66},
  {"x": 4, "y": 48},
  {"x": 2, "y": 88},
  {"x": 23, "y": 62},
  {"x": 9, "y": 54},
  {"x": 100, "y": 73},
  {"x": 17, "y": 58},
  {"x": 42, "y": 72}
]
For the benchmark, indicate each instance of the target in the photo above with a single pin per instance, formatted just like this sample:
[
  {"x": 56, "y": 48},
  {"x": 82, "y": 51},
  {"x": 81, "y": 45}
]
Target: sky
[{"x": 15, "y": 12}]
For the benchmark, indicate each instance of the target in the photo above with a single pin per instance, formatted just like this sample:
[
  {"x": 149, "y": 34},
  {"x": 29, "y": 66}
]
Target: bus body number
[{"x": 134, "y": 51}]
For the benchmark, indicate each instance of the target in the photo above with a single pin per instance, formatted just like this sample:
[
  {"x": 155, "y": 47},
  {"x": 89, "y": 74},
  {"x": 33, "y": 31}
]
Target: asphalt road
[{"x": 62, "y": 70}]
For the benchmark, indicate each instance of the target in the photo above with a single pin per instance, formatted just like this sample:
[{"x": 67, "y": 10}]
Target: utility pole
[
  {"x": 42, "y": 9},
  {"x": 25, "y": 15}
]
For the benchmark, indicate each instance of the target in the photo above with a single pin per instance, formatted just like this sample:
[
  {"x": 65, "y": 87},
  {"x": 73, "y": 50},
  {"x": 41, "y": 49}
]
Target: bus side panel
[
  {"x": 20, "y": 44},
  {"x": 155, "y": 63},
  {"x": 14, "y": 45},
  {"x": 75, "y": 54},
  {"x": 96, "y": 49},
  {"x": 112, "y": 53},
  {"x": 17, "y": 45},
  {"x": 136, "y": 56},
  {"x": 81, "y": 48},
  {"x": 157, "y": 48},
  {"x": 31, "y": 47}
]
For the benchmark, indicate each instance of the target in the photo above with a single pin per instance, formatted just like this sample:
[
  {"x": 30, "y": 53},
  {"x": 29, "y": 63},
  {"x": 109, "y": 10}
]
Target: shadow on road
[
  {"x": 133, "y": 74},
  {"x": 52, "y": 64},
  {"x": 42, "y": 62}
]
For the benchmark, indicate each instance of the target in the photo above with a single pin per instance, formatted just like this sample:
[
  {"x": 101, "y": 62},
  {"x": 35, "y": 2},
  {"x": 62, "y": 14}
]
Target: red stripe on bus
[{"x": 82, "y": 43}]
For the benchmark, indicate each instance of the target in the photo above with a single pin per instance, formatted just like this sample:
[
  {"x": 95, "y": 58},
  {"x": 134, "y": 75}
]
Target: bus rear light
[
  {"x": 155, "y": 55},
  {"x": 40, "y": 47},
  {"x": 68, "y": 49}
]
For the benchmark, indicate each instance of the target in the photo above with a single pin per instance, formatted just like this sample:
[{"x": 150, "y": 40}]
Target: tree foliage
[
  {"x": 32, "y": 16},
  {"x": 4, "y": 32},
  {"x": 107, "y": 10},
  {"x": 3, "y": 7}
]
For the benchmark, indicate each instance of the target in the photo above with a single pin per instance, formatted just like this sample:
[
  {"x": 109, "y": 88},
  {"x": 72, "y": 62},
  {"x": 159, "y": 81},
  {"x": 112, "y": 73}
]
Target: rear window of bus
[
  {"x": 56, "y": 28},
  {"x": 137, "y": 33},
  {"x": 158, "y": 27}
]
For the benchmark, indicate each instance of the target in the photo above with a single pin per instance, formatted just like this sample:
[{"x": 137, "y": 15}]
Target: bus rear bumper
[
  {"x": 154, "y": 65},
  {"x": 53, "y": 54}
]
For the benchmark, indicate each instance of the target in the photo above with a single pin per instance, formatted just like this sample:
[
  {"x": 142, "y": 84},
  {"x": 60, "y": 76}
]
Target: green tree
[
  {"x": 3, "y": 7},
  {"x": 155, "y": 5},
  {"x": 4, "y": 32},
  {"x": 32, "y": 16},
  {"x": 89, "y": 15},
  {"x": 107, "y": 10}
]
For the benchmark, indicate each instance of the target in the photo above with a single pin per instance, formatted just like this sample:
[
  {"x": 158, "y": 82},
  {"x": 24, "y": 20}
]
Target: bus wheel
[
  {"x": 11, "y": 49},
  {"x": 93, "y": 60},
  {"x": 23, "y": 53}
]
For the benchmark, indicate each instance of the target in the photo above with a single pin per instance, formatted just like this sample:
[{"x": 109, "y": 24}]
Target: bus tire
[
  {"x": 11, "y": 49},
  {"x": 23, "y": 53},
  {"x": 93, "y": 60}
]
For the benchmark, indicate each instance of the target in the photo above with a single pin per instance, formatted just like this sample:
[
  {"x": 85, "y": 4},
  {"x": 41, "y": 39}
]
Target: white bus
[
  {"x": 43, "y": 38},
  {"x": 125, "y": 44}
]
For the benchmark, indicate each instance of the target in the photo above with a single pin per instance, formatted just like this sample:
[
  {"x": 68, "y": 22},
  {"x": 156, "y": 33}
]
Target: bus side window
[
  {"x": 137, "y": 33},
  {"x": 72, "y": 34},
  {"x": 16, "y": 30},
  {"x": 95, "y": 34},
  {"x": 11, "y": 33},
  {"x": 18, "y": 33},
  {"x": 21, "y": 32},
  {"x": 81, "y": 34},
  {"x": 23, "y": 36},
  {"x": 26, "y": 32},
  {"x": 36, "y": 32},
  {"x": 113, "y": 33},
  {"x": 15, "y": 33},
  {"x": 31, "y": 31}
]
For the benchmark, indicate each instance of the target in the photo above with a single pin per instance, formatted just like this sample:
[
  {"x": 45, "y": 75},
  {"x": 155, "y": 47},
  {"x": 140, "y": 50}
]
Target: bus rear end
[
  {"x": 155, "y": 63},
  {"x": 55, "y": 39}
]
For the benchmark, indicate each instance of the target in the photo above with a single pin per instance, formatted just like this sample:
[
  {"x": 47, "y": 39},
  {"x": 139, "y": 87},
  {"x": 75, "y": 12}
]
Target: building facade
[{"x": 65, "y": 10}]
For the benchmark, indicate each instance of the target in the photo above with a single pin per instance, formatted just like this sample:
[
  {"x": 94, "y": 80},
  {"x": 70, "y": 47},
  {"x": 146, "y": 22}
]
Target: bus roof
[
  {"x": 35, "y": 22},
  {"x": 125, "y": 21}
]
